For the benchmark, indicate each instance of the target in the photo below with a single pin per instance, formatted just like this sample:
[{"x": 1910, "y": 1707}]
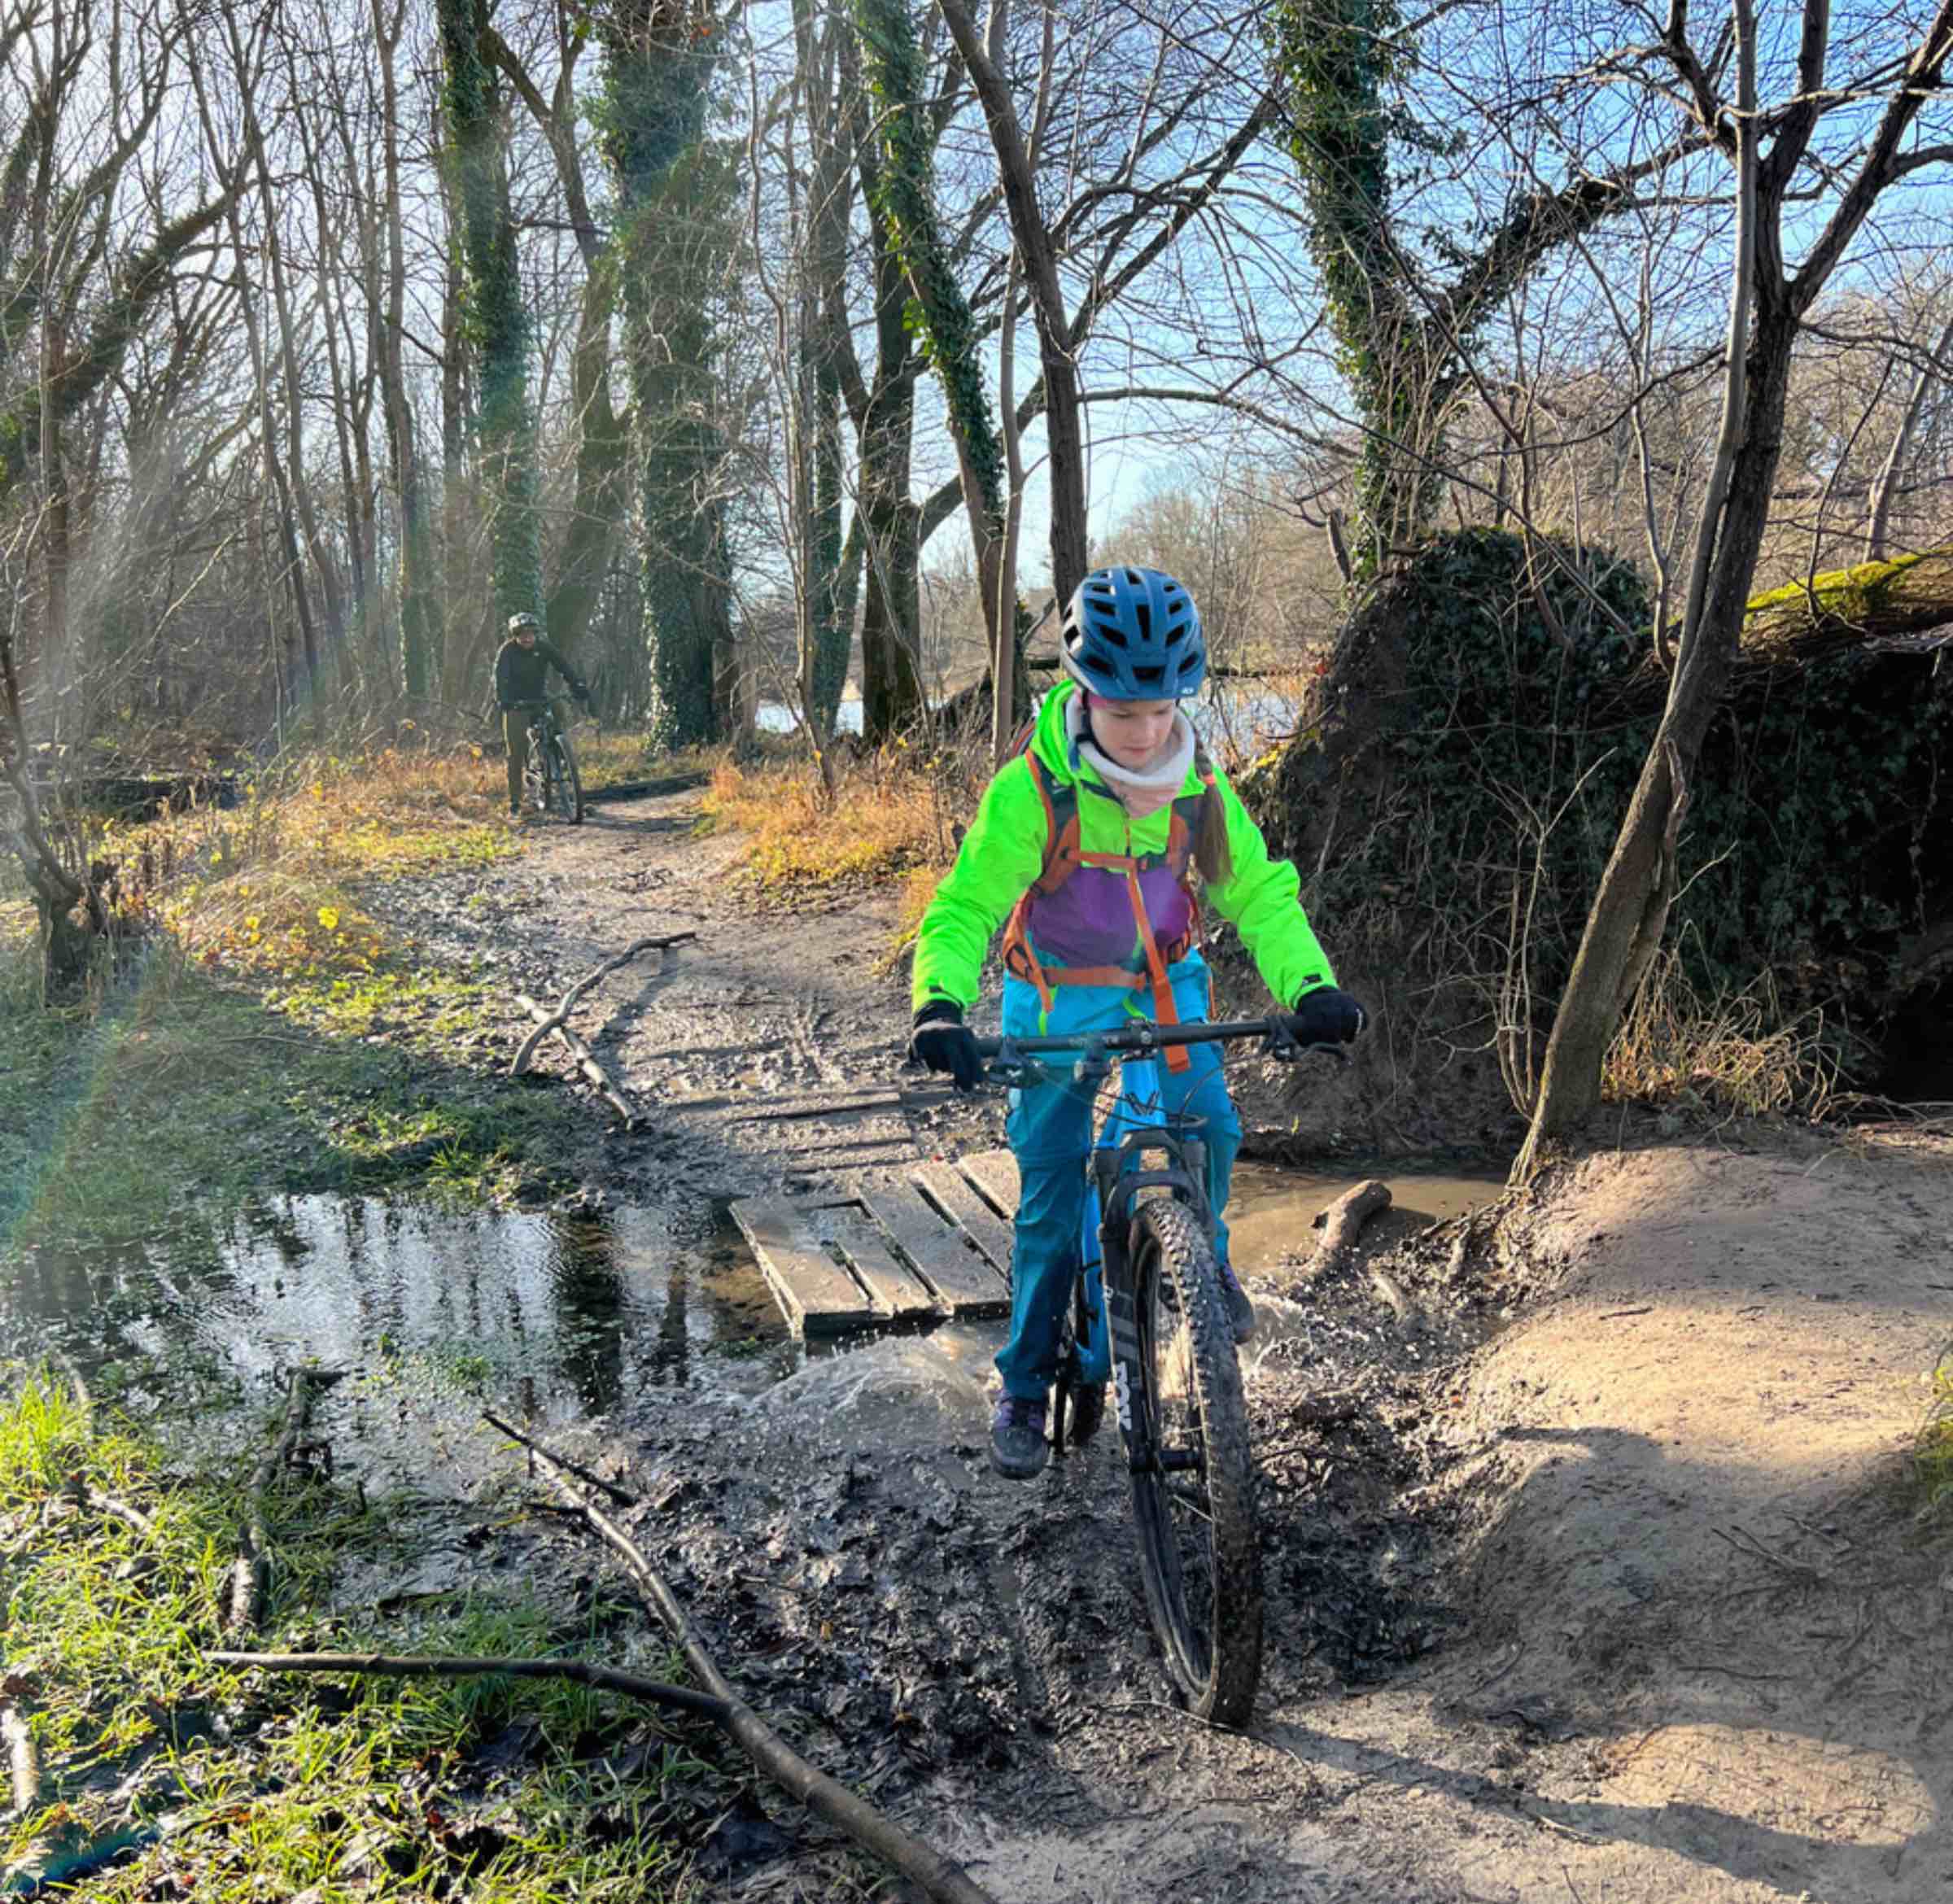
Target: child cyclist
[{"x": 1096, "y": 843}]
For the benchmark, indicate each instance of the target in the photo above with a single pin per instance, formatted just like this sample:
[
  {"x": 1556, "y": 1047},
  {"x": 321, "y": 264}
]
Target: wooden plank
[
  {"x": 830, "y": 1106},
  {"x": 994, "y": 1173},
  {"x": 946, "y": 1189},
  {"x": 898, "y": 1291},
  {"x": 817, "y": 1296},
  {"x": 965, "y": 1283}
]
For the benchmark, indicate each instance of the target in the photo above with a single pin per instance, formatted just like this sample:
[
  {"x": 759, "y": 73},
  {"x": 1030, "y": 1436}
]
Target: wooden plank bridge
[{"x": 934, "y": 1241}]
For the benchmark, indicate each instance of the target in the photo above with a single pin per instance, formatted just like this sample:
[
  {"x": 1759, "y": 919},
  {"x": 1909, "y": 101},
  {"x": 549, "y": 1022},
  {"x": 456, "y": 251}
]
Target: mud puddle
[
  {"x": 432, "y": 1310},
  {"x": 1271, "y": 1209}
]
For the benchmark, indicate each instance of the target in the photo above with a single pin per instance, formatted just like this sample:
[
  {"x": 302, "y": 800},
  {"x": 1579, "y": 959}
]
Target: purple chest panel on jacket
[{"x": 1089, "y": 920}]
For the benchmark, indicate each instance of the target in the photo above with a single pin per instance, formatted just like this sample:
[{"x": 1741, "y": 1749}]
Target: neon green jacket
[{"x": 1003, "y": 852}]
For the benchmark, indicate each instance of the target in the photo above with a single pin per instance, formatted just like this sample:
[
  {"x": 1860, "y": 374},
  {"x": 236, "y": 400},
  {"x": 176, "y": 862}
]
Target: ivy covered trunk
[
  {"x": 602, "y": 458},
  {"x": 1336, "y": 59},
  {"x": 891, "y": 523},
  {"x": 903, "y": 199},
  {"x": 671, "y": 191},
  {"x": 494, "y": 320}
]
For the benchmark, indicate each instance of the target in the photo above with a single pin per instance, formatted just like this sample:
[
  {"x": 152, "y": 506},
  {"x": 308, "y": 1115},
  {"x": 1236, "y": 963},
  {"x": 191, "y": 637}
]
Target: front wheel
[
  {"x": 1193, "y": 1478},
  {"x": 565, "y": 783}
]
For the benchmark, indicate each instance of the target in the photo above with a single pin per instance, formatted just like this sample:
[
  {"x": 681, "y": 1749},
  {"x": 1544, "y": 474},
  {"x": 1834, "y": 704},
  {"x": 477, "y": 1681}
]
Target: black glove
[
  {"x": 1326, "y": 1017},
  {"x": 942, "y": 1041}
]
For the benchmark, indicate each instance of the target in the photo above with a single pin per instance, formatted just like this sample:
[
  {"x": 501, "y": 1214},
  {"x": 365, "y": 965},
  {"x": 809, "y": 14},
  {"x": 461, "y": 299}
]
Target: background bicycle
[{"x": 550, "y": 781}]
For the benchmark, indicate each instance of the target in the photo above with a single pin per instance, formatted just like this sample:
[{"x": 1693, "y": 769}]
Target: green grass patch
[
  {"x": 177, "y": 1094},
  {"x": 227, "y": 1786}
]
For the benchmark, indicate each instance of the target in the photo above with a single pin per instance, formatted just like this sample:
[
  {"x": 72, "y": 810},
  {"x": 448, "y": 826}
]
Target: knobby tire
[
  {"x": 565, "y": 783},
  {"x": 1199, "y": 1556}
]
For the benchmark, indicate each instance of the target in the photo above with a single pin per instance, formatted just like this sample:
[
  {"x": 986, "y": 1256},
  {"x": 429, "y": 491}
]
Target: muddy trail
[{"x": 1592, "y": 1570}]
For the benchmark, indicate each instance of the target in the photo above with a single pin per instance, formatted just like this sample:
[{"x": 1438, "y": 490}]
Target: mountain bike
[
  {"x": 1148, "y": 1313},
  {"x": 550, "y": 781}
]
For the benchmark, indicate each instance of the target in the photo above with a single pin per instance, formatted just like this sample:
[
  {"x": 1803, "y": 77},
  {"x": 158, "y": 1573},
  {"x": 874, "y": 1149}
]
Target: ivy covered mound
[{"x": 1464, "y": 759}]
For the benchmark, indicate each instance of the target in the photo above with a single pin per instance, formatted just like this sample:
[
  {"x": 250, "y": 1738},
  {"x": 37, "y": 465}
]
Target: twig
[
  {"x": 250, "y": 1576},
  {"x": 585, "y": 1672},
  {"x": 119, "y": 1509},
  {"x": 24, "y": 1761},
  {"x": 553, "y": 1021},
  {"x": 1747, "y": 1544},
  {"x": 939, "y": 1877},
  {"x": 586, "y": 1062},
  {"x": 622, "y": 1496}
]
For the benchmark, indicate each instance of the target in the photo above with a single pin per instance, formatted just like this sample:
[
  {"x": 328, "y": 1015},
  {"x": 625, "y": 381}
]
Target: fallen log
[
  {"x": 251, "y": 1573},
  {"x": 647, "y": 790},
  {"x": 408, "y": 1666},
  {"x": 939, "y": 1877},
  {"x": 1342, "y": 1222},
  {"x": 554, "y": 1020},
  {"x": 586, "y": 1062}
]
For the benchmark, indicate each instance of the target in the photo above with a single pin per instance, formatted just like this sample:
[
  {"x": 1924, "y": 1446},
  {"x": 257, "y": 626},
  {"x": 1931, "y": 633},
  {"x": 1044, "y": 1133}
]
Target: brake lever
[{"x": 1283, "y": 1046}]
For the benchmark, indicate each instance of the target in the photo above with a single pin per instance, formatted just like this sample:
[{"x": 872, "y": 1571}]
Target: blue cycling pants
[{"x": 1049, "y": 1127}]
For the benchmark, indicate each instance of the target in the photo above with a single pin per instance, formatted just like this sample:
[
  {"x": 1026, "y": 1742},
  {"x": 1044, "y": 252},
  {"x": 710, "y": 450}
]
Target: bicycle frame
[{"x": 1136, "y": 1127}]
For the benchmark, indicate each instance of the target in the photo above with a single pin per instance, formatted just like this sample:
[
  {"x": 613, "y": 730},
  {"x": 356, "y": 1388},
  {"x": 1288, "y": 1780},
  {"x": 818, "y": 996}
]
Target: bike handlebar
[{"x": 1142, "y": 1040}]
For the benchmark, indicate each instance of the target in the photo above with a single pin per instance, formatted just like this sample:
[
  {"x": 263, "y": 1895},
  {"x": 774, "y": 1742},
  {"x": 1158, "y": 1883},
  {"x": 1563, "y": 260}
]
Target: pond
[{"x": 434, "y": 1311}]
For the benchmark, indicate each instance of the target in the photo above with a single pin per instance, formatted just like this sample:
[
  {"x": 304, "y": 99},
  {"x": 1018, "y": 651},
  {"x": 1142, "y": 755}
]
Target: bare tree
[{"x": 1777, "y": 160}]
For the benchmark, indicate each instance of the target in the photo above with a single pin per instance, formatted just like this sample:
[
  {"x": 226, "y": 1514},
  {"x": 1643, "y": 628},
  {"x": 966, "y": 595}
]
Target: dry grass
[
  {"x": 267, "y": 886},
  {"x": 1737, "y": 1053},
  {"x": 887, "y": 816},
  {"x": 1933, "y": 1445}
]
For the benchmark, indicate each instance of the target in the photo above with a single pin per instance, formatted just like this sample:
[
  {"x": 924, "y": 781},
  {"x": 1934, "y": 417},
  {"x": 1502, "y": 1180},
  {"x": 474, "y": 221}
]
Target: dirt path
[{"x": 1608, "y": 1589}]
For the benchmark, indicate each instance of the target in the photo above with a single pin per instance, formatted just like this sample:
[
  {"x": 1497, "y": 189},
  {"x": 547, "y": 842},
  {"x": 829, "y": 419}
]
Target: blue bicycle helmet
[{"x": 1133, "y": 635}]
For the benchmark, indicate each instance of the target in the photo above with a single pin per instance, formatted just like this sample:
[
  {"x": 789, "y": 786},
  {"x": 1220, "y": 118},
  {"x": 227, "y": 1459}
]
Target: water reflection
[{"x": 582, "y": 1315}]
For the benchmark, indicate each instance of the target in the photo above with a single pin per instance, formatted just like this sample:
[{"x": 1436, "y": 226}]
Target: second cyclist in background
[
  {"x": 521, "y": 679},
  {"x": 1098, "y": 843}
]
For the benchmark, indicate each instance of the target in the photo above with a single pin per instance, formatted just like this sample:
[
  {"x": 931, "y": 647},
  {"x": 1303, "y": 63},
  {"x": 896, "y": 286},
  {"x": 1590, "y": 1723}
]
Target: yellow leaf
[
  {"x": 251, "y": 924},
  {"x": 329, "y": 917}
]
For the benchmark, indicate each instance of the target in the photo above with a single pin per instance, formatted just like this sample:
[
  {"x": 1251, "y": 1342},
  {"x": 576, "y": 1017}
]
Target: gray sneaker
[
  {"x": 1018, "y": 1448},
  {"x": 1240, "y": 1310}
]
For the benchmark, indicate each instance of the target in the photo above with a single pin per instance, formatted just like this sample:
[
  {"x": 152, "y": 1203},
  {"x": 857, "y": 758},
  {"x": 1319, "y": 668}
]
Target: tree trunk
[
  {"x": 1887, "y": 486},
  {"x": 659, "y": 69},
  {"x": 496, "y": 318},
  {"x": 420, "y": 628},
  {"x": 890, "y": 523},
  {"x": 602, "y": 438},
  {"x": 1631, "y": 909},
  {"x": 904, "y": 202},
  {"x": 1037, "y": 254}
]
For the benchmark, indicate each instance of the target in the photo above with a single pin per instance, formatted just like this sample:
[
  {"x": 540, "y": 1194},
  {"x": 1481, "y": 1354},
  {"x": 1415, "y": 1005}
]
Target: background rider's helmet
[
  {"x": 524, "y": 623},
  {"x": 1133, "y": 635}
]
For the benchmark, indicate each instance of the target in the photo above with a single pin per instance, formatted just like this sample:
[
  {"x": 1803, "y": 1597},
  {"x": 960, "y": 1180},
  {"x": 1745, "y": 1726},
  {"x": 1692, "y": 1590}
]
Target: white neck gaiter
[{"x": 1141, "y": 790}]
